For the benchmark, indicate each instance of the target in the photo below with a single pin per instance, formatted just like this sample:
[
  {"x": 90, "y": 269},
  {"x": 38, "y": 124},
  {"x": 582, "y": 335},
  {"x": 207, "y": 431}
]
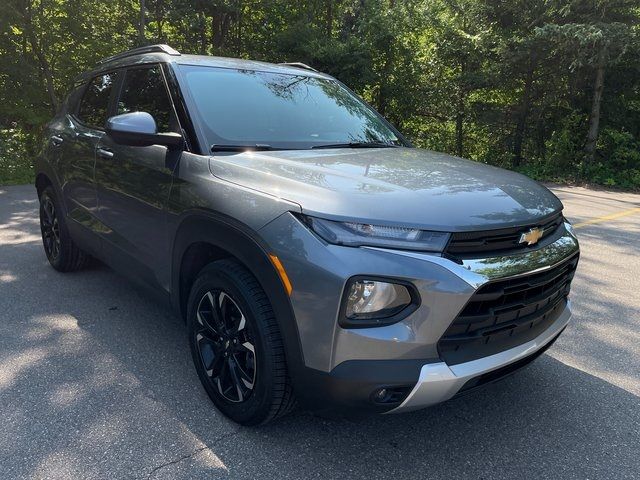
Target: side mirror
[{"x": 138, "y": 129}]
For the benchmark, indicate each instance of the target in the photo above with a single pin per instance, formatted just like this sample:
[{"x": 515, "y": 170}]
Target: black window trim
[
  {"x": 116, "y": 86},
  {"x": 179, "y": 103},
  {"x": 75, "y": 92},
  {"x": 182, "y": 114},
  {"x": 146, "y": 66}
]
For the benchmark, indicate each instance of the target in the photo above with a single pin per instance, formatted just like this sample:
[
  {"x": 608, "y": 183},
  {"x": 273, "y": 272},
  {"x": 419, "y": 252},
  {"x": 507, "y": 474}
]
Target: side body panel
[
  {"x": 133, "y": 185},
  {"x": 68, "y": 160},
  {"x": 75, "y": 168}
]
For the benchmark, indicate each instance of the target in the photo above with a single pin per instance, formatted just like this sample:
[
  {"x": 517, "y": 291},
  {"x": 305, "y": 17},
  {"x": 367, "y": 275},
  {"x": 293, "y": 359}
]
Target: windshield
[{"x": 246, "y": 107}]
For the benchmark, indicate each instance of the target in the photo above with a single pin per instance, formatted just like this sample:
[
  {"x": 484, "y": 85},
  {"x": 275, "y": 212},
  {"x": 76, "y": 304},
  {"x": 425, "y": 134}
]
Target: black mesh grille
[
  {"x": 506, "y": 313},
  {"x": 470, "y": 244}
]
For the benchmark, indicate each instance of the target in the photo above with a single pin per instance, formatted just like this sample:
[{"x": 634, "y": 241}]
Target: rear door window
[
  {"x": 144, "y": 90},
  {"x": 94, "y": 105}
]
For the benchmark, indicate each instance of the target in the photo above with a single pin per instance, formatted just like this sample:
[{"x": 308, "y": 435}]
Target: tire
[
  {"x": 236, "y": 345},
  {"x": 61, "y": 251}
]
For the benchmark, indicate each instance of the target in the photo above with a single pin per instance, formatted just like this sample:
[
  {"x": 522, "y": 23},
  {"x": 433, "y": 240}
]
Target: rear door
[
  {"x": 133, "y": 183},
  {"x": 76, "y": 143}
]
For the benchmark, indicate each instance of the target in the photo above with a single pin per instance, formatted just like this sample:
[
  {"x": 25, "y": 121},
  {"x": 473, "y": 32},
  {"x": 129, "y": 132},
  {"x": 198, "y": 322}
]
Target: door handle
[
  {"x": 104, "y": 153},
  {"x": 56, "y": 140}
]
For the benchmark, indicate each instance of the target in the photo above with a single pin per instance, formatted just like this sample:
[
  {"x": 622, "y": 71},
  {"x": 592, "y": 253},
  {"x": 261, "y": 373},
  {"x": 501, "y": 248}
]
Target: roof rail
[
  {"x": 298, "y": 65},
  {"x": 161, "y": 48}
]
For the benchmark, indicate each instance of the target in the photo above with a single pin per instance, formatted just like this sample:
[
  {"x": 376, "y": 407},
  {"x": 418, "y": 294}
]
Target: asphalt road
[{"x": 96, "y": 381}]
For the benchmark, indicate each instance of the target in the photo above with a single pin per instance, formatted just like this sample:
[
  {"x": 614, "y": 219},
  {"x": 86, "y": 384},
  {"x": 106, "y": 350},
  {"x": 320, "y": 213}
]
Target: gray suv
[{"x": 315, "y": 256}]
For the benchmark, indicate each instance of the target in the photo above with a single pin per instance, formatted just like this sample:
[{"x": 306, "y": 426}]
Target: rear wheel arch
[
  {"x": 62, "y": 252},
  {"x": 42, "y": 182},
  {"x": 204, "y": 237},
  {"x": 47, "y": 177}
]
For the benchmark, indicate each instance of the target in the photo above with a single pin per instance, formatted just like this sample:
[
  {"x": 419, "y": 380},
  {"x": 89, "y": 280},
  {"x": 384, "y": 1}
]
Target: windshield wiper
[
  {"x": 241, "y": 148},
  {"x": 257, "y": 147},
  {"x": 357, "y": 145}
]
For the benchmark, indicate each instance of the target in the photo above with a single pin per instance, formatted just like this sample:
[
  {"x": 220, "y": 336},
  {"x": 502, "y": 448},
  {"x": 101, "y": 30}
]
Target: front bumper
[
  {"x": 439, "y": 382},
  {"x": 345, "y": 366}
]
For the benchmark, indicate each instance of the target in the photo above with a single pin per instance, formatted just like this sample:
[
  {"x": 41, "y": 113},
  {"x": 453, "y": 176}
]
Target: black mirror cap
[{"x": 138, "y": 129}]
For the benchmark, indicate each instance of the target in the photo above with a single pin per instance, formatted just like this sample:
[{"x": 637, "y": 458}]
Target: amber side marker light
[{"x": 282, "y": 272}]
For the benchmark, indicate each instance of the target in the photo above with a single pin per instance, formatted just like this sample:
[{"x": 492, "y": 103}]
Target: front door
[{"x": 133, "y": 183}]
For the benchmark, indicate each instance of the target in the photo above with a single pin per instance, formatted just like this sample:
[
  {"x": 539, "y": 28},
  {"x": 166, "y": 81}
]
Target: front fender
[{"x": 248, "y": 248}]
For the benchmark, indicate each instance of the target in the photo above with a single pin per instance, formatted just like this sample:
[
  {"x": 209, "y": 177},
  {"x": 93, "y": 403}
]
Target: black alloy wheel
[
  {"x": 226, "y": 346},
  {"x": 236, "y": 345},
  {"x": 50, "y": 228},
  {"x": 61, "y": 251}
]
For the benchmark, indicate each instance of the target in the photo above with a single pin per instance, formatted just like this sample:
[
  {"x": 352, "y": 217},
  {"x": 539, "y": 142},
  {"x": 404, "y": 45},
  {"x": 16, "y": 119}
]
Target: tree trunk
[
  {"x": 541, "y": 147},
  {"x": 460, "y": 112},
  {"x": 46, "y": 72},
  {"x": 387, "y": 69},
  {"x": 202, "y": 33},
  {"x": 329, "y": 26},
  {"x": 220, "y": 24},
  {"x": 460, "y": 127},
  {"x": 239, "y": 29},
  {"x": 141, "y": 24},
  {"x": 159, "y": 21},
  {"x": 594, "y": 118},
  {"x": 525, "y": 106},
  {"x": 351, "y": 20},
  {"x": 43, "y": 63}
]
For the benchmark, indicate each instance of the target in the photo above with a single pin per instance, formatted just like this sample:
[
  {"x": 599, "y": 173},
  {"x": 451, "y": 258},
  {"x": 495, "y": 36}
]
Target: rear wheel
[
  {"x": 236, "y": 345},
  {"x": 61, "y": 251}
]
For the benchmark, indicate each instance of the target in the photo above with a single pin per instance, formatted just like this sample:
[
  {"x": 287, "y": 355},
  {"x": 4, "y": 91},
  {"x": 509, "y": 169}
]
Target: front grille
[
  {"x": 471, "y": 244},
  {"x": 506, "y": 313}
]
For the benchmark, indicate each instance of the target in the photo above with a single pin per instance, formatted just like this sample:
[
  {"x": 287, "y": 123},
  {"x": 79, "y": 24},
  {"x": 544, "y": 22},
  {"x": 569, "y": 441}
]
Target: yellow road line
[{"x": 613, "y": 216}]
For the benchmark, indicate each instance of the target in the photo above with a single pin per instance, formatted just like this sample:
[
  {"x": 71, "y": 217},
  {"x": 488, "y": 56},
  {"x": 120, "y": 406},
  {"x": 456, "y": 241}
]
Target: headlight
[
  {"x": 569, "y": 226},
  {"x": 359, "y": 234},
  {"x": 371, "y": 303}
]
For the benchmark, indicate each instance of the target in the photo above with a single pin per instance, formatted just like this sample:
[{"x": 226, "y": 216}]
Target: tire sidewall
[{"x": 257, "y": 406}]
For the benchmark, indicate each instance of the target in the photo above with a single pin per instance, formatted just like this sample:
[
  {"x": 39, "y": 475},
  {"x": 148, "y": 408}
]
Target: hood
[{"x": 398, "y": 186}]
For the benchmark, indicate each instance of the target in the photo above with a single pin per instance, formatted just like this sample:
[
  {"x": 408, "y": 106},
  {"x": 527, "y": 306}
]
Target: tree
[
  {"x": 549, "y": 87},
  {"x": 595, "y": 40}
]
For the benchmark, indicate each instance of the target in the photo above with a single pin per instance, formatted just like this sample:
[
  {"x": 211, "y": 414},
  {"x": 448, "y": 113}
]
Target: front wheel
[{"x": 236, "y": 345}]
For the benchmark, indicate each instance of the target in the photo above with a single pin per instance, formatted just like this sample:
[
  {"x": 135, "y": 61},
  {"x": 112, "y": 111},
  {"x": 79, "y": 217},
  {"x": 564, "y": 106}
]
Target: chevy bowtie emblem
[{"x": 532, "y": 236}]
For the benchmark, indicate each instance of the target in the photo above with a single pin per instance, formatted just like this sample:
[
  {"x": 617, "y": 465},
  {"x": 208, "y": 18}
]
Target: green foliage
[
  {"x": 619, "y": 163},
  {"x": 15, "y": 159},
  {"x": 513, "y": 83},
  {"x": 565, "y": 147}
]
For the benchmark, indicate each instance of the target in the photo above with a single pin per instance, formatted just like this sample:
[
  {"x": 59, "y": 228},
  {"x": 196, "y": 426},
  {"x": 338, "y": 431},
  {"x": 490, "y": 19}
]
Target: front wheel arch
[{"x": 205, "y": 234}]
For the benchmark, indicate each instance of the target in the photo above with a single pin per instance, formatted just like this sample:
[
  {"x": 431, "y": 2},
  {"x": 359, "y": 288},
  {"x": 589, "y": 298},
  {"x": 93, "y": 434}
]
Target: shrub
[{"x": 16, "y": 164}]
